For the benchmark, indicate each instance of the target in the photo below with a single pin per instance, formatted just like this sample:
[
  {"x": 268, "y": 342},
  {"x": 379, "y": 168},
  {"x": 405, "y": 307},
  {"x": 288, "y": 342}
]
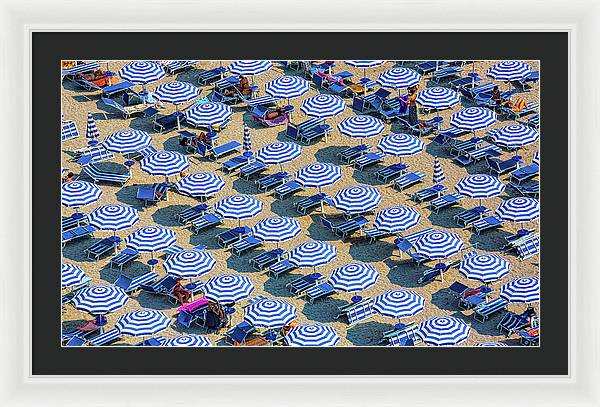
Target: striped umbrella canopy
[
  {"x": 189, "y": 263},
  {"x": 364, "y": 63},
  {"x": 479, "y": 186},
  {"x": 399, "y": 78},
  {"x": 357, "y": 199},
  {"x": 127, "y": 141},
  {"x": 312, "y": 335},
  {"x": 520, "y": 209},
  {"x": 151, "y": 239},
  {"x": 91, "y": 132},
  {"x": 113, "y": 217},
  {"x": 323, "y": 106},
  {"x": 396, "y": 219},
  {"x": 249, "y": 67},
  {"x": 353, "y": 277},
  {"x": 318, "y": 175},
  {"x": 228, "y": 288},
  {"x": 438, "y": 244},
  {"x": 200, "y": 184},
  {"x": 143, "y": 322},
  {"x": 491, "y": 344},
  {"x": 287, "y": 87},
  {"x": 509, "y": 71},
  {"x": 208, "y": 114},
  {"x": 238, "y": 207},
  {"x": 277, "y": 229},
  {"x": 399, "y": 303},
  {"x": 270, "y": 313},
  {"x": 400, "y": 145},
  {"x": 515, "y": 136},
  {"x": 142, "y": 72},
  {"x": 438, "y": 98},
  {"x": 164, "y": 163},
  {"x": 536, "y": 158},
  {"x": 100, "y": 299},
  {"x": 71, "y": 275},
  {"x": 473, "y": 118},
  {"x": 176, "y": 92},
  {"x": 79, "y": 193},
  {"x": 525, "y": 289},
  {"x": 312, "y": 254},
  {"x": 438, "y": 172},
  {"x": 444, "y": 331},
  {"x": 484, "y": 267},
  {"x": 278, "y": 153},
  {"x": 188, "y": 340},
  {"x": 247, "y": 142},
  {"x": 362, "y": 126}
]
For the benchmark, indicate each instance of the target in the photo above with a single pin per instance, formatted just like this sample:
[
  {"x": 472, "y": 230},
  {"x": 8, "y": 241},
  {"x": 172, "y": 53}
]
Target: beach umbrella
[
  {"x": 438, "y": 244},
  {"x": 364, "y": 64},
  {"x": 396, "y": 219},
  {"x": 362, "y": 126},
  {"x": 444, "y": 331},
  {"x": 113, "y": 217},
  {"x": 525, "y": 289},
  {"x": 484, "y": 267},
  {"x": 189, "y": 263},
  {"x": 400, "y": 145},
  {"x": 176, "y": 92},
  {"x": 399, "y": 303},
  {"x": 479, "y": 186},
  {"x": 208, "y": 114},
  {"x": 490, "y": 344},
  {"x": 143, "y": 322},
  {"x": 276, "y": 229},
  {"x": 312, "y": 335},
  {"x": 188, "y": 340},
  {"x": 438, "y": 172},
  {"x": 357, "y": 199},
  {"x": 323, "y": 106},
  {"x": 247, "y": 142},
  {"x": 76, "y": 194},
  {"x": 165, "y": 163},
  {"x": 318, "y": 175},
  {"x": 142, "y": 72},
  {"x": 71, "y": 275},
  {"x": 520, "y": 209},
  {"x": 509, "y": 71},
  {"x": 312, "y": 254},
  {"x": 100, "y": 299},
  {"x": 270, "y": 313},
  {"x": 91, "y": 132},
  {"x": 473, "y": 118},
  {"x": 515, "y": 136},
  {"x": 287, "y": 87},
  {"x": 249, "y": 67},
  {"x": 536, "y": 158},
  {"x": 151, "y": 239},
  {"x": 228, "y": 288},
  {"x": 399, "y": 78},
  {"x": 438, "y": 98},
  {"x": 127, "y": 141},
  {"x": 200, "y": 184},
  {"x": 238, "y": 207},
  {"x": 278, "y": 153},
  {"x": 353, "y": 277}
]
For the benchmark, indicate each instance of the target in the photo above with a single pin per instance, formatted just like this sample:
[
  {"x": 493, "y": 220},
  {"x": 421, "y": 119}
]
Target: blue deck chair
[
  {"x": 428, "y": 67},
  {"x": 356, "y": 312},
  {"x": 68, "y": 130},
  {"x": 431, "y": 125},
  {"x": 239, "y": 333},
  {"x": 374, "y": 234},
  {"x": 272, "y": 180},
  {"x": 117, "y": 88},
  {"x": 531, "y": 189},
  {"x": 448, "y": 137},
  {"x": 444, "y": 201},
  {"x": 482, "y": 152},
  {"x": 472, "y": 92},
  {"x": 306, "y": 204},
  {"x": 97, "y": 175},
  {"x": 152, "y": 194},
  {"x": 528, "y": 248},
  {"x": 267, "y": 259},
  {"x": 486, "y": 310},
  {"x": 179, "y": 66},
  {"x": 429, "y": 193},
  {"x": 205, "y": 221},
  {"x": 287, "y": 189},
  {"x": 405, "y": 247},
  {"x": 141, "y": 153},
  {"x": 208, "y": 76},
  {"x": 511, "y": 322},
  {"x": 468, "y": 216},
  {"x": 299, "y": 286},
  {"x": 260, "y": 101},
  {"x": 78, "y": 232},
  {"x": 446, "y": 74},
  {"x": 408, "y": 180},
  {"x": 126, "y": 256},
  {"x": 100, "y": 248},
  {"x": 487, "y": 223},
  {"x": 227, "y": 148},
  {"x": 252, "y": 168},
  {"x": 235, "y": 163},
  {"x": 367, "y": 160},
  {"x": 524, "y": 173},
  {"x": 528, "y": 338},
  {"x": 466, "y": 81},
  {"x": 349, "y": 154},
  {"x": 227, "y": 238},
  {"x": 248, "y": 243},
  {"x": 319, "y": 291},
  {"x": 499, "y": 167},
  {"x": 530, "y": 108},
  {"x": 187, "y": 215},
  {"x": 465, "y": 146},
  {"x": 402, "y": 335},
  {"x": 130, "y": 285},
  {"x": 280, "y": 268},
  {"x": 167, "y": 123},
  {"x": 126, "y": 111},
  {"x": 391, "y": 172},
  {"x": 526, "y": 83},
  {"x": 106, "y": 338},
  {"x": 533, "y": 121},
  {"x": 71, "y": 222}
]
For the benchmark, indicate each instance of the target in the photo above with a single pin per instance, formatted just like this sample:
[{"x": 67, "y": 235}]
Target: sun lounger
[
  {"x": 486, "y": 310},
  {"x": 100, "y": 248},
  {"x": 429, "y": 193},
  {"x": 259, "y": 114},
  {"x": 499, "y": 167},
  {"x": 526, "y": 83},
  {"x": 405, "y": 247},
  {"x": 267, "y": 259},
  {"x": 483, "y": 152},
  {"x": 167, "y": 123},
  {"x": 427, "y": 67},
  {"x": 187, "y": 215},
  {"x": 194, "y": 311},
  {"x": 511, "y": 322},
  {"x": 374, "y": 234},
  {"x": 402, "y": 335},
  {"x": 446, "y": 73},
  {"x": 356, "y": 312},
  {"x": 224, "y": 149},
  {"x": 408, "y": 180},
  {"x": 77, "y": 233},
  {"x": 84, "y": 332},
  {"x": 163, "y": 286},
  {"x": 351, "y": 153},
  {"x": 106, "y": 338},
  {"x": 471, "y": 92},
  {"x": 367, "y": 160},
  {"x": 76, "y": 341},
  {"x": 530, "y": 337},
  {"x": 208, "y": 76},
  {"x": 239, "y": 333},
  {"x": 71, "y": 222},
  {"x": 281, "y": 267},
  {"x": 179, "y": 66},
  {"x": 530, "y": 108},
  {"x": 444, "y": 201},
  {"x": 95, "y": 155},
  {"x": 130, "y": 285},
  {"x": 248, "y": 243},
  {"x": 68, "y": 130},
  {"x": 233, "y": 235},
  {"x": 112, "y": 90},
  {"x": 468, "y": 216},
  {"x": 524, "y": 173},
  {"x": 458, "y": 148},
  {"x": 299, "y": 286},
  {"x": 235, "y": 163},
  {"x": 467, "y": 81},
  {"x": 319, "y": 291},
  {"x": 294, "y": 131},
  {"x": 260, "y": 101},
  {"x": 287, "y": 189},
  {"x": 346, "y": 228},
  {"x": 141, "y": 153},
  {"x": 533, "y": 121},
  {"x": 448, "y": 137},
  {"x": 429, "y": 127},
  {"x": 308, "y": 136},
  {"x": 126, "y": 256},
  {"x": 273, "y": 180},
  {"x": 531, "y": 189},
  {"x": 97, "y": 175},
  {"x": 389, "y": 173},
  {"x": 126, "y": 111},
  {"x": 205, "y": 221},
  {"x": 153, "y": 194},
  {"x": 487, "y": 223},
  {"x": 366, "y": 104},
  {"x": 252, "y": 168}
]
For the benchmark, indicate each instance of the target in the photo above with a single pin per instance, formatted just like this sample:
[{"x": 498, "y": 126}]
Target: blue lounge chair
[
  {"x": 366, "y": 104},
  {"x": 106, "y": 338},
  {"x": 72, "y": 221},
  {"x": 499, "y": 167},
  {"x": 367, "y": 160},
  {"x": 227, "y": 148},
  {"x": 95, "y": 155},
  {"x": 68, "y": 130},
  {"x": 131, "y": 285},
  {"x": 530, "y": 337},
  {"x": 267, "y": 259},
  {"x": 319, "y": 291},
  {"x": 356, "y": 312},
  {"x": 408, "y": 180},
  {"x": 187, "y": 215},
  {"x": 351, "y": 153},
  {"x": 271, "y": 181},
  {"x": 287, "y": 189},
  {"x": 374, "y": 234},
  {"x": 487, "y": 223},
  {"x": 299, "y": 286},
  {"x": 472, "y": 92},
  {"x": 446, "y": 74},
  {"x": 428, "y": 67},
  {"x": 531, "y": 189},
  {"x": 179, "y": 66},
  {"x": 486, "y": 310},
  {"x": 235, "y": 163},
  {"x": 430, "y": 126},
  {"x": 77, "y": 233},
  {"x": 467, "y": 81},
  {"x": 530, "y": 108},
  {"x": 248, "y": 243},
  {"x": 260, "y": 101},
  {"x": 429, "y": 193},
  {"x": 126, "y": 256},
  {"x": 402, "y": 335},
  {"x": 312, "y": 202},
  {"x": 153, "y": 194},
  {"x": 524, "y": 173},
  {"x": 252, "y": 168},
  {"x": 97, "y": 175},
  {"x": 346, "y": 228},
  {"x": 260, "y": 112},
  {"x": 239, "y": 333},
  {"x": 447, "y": 137},
  {"x": 205, "y": 221},
  {"x": 280, "y": 268},
  {"x": 391, "y": 172},
  {"x": 510, "y": 322},
  {"x": 208, "y": 76},
  {"x": 117, "y": 88},
  {"x": 444, "y": 201},
  {"x": 533, "y": 121},
  {"x": 100, "y": 248},
  {"x": 483, "y": 152},
  {"x": 404, "y": 245},
  {"x": 526, "y": 83},
  {"x": 227, "y": 238},
  {"x": 169, "y": 122},
  {"x": 126, "y": 111},
  {"x": 468, "y": 216},
  {"x": 141, "y": 153}
]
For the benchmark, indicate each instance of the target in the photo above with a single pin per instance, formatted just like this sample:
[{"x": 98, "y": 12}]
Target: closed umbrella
[
  {"x": 247, "y": 142},
  {"x": 438, "y": 172},
  {"x": 91, "y": 133}
]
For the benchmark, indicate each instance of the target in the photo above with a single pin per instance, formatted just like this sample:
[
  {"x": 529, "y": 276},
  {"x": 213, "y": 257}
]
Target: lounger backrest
[{"x": 69, "y": 130}]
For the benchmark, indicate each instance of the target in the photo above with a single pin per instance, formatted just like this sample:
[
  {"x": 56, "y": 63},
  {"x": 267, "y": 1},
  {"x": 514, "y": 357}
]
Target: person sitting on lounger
[
  {"x": 182, "y": 294},
  {"x": 68, "y": 178},
  {"x": 274, "y": 114},
  {"x": 243, "y": 87},
  {"x": 496, "y": 97}
]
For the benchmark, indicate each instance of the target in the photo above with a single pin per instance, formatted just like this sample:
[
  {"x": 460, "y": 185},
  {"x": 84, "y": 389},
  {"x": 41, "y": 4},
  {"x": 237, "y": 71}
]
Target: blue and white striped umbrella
[
  {"x": 143, "y": 322},
  {"x": 396, "y": 219},
  {"x": 188, "y": 340},
  {"x": 79, "y": 193},
  {"x": 208, "y": 114},
  {"x": 247, "y": 142},
  {"x": 479, "y": 186},
  {"x": 536, "y": 158},
  {"x": 400, "y": 145},
  {"x": 151, "y": 239},
  {"x": 200, "y": 184},
  {"x": 515, "y": 135},
  {"x": 164, "y": 163},
  {"x": 525, "y": 289},
  {"x": 278, "y": 153},
  {"x": 520, "y": 209},
  {"x": 365, "y": 63},
  {"x": 312, "y": 254},
  {"x": 113, "y": 217},
  {"x": 438, "y": 98},
  {"x": 127, "y": 141},
  {"x": 438, "y": 244},
  {"x": 287, "y": 87},
  {"x": 491, "y": 344},
  {"x": 438, "y": 172},
  {"x": 323, "y": 106},
  {"x": 509, "y": 71},
  {"x": 228, "y": 288},
  {"x": 277, "y": 229},
  {"x": 362, "y": 126},
  {"x": 270, "y": 313},
  {"x": 238, "y": 207},
  {"x": 189, "y": 263},
  {"x": 142, "y": 72},
  {"x": 100, "y": 299},
  {"x": 91, "y": 132},
  {"x": 318, "y": 175},
  {"x": 176, "y": 92},
  {"x": 484, "y": 267},
  {"x": 444, "y": 331},
  {"x": 357, "y": 199},
  {"x": 250, "y": 67},
  {"x": 399, "y": 78},
  {"x": 312, "y": 335},
  {"x": 473, "y": 118},
  {"x": 353, "y": 277},
  {"x": 399, "y": 303},
  {"x": 71, "y": 275}
]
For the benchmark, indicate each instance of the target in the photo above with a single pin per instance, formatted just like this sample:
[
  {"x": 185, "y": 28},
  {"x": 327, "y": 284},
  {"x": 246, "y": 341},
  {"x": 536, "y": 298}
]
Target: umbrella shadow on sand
[
  {"x": 367, "y": 334},
  {"x": 374, "y": 252},
  {"x": 491, "y": 240},
  {"x": 445, "y": 218},
  {"x": 207, "y": 238},
  {"x": 317, "y": 231},
  {"x": 277, "y": 286},
  {"x": 242, "y": 186},
  {"x": 284, "y": 208},
  {"x": 166, "y": 216},
  {"x": 153, "y": 301},
  {"x": 329, "y": 154},
  {"x": 444, "y": 300},
  {"x": 75, "y": 250},
  {"x": 366, "y": 177},
  {"x": 402, "y": 273},
  {"x": 240, "y": 264},
  {"x": 127, "y": 195},
  {"x": 323, "y": 310}
]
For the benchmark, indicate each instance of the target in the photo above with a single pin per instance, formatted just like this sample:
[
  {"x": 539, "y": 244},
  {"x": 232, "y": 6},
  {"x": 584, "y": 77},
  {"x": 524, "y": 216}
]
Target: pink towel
[{"x": 193, "y": 305}]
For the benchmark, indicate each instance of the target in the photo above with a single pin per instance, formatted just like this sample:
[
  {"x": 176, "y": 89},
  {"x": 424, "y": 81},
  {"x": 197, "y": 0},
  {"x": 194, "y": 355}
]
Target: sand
[{"x": 394, "y": 272}]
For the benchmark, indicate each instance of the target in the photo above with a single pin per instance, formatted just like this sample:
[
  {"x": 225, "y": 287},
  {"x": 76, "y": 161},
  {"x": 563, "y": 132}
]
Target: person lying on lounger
[
  {"x": 274, "y": 114},
  {"x": 68, "y": 178},
  {"x": 243, "y": 87},
  {"x": 182, "y": 294}
]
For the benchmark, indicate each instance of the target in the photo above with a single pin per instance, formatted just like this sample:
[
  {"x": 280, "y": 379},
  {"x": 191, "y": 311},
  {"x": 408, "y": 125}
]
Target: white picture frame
[{"x": 579, "y": 388}]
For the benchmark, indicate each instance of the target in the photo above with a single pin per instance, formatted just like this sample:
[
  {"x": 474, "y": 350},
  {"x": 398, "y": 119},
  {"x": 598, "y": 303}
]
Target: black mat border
[{"x": 50, "y": 47}]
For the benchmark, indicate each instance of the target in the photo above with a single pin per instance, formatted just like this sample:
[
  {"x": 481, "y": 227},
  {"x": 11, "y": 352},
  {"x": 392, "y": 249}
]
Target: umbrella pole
[{"x": 177, "y": 114}]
